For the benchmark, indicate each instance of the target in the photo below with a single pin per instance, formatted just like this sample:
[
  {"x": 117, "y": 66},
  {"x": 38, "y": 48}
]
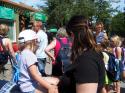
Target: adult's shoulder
[
  {"x": 91, "y": 52},
  {"x": 91, "y": 55},
  {"x": 28, "y": 53},
  {"x": 42, "y": 33}
]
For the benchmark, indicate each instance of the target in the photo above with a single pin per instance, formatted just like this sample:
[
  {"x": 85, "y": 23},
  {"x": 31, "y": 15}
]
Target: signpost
[{"x": 6, "y": 13}]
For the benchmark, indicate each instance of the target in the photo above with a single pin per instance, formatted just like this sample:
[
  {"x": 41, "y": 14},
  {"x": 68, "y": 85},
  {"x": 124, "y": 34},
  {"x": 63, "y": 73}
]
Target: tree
[
  {"x": 103, "y": 11},
  {"x": 60, "y": 11},
  {"x": 118, "y": 25}
]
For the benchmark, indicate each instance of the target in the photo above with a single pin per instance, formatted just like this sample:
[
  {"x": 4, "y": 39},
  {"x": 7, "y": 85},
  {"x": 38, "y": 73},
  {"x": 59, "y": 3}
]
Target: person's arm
[
  {"x": 118, "y": 51},
  {"x": 10, "y": 47},
  {"x": 34, "y": 73},
  {"x": 86, "y": 88},
  {"x": 50, "y": 47}
]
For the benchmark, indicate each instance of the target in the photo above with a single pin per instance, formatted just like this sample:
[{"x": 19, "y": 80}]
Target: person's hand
[
  {"x": 53, "y": 89},
  {"x": 54, "y": 80},
  {"x": 51, "y": 80},
  {"x": 53, "y": 58}
]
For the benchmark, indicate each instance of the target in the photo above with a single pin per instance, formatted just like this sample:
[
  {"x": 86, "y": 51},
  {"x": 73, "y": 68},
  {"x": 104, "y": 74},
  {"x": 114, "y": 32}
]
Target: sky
[
  {"x": 33, "y": 3},
  {"x": 120, "y": 6}
]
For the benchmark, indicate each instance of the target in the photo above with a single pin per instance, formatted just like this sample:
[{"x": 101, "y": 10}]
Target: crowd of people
[{"x": 82, "y": 69}]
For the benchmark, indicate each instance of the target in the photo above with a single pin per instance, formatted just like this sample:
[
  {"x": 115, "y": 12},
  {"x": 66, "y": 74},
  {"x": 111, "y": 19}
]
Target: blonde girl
[
  {"x": 30, "y": 81},
  {"x": 115, "y": 43}
]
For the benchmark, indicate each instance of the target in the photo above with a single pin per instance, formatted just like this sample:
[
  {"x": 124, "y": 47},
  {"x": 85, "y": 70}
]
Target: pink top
[{"x": 57, "y": 47}]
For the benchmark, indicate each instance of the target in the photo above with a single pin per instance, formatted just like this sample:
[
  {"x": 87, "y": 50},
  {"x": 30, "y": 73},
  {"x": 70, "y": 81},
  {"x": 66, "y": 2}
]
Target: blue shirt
[{"x": 100, "y": 37}]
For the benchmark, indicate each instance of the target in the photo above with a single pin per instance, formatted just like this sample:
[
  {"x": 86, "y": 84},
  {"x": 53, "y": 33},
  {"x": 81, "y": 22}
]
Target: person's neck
[
  {"x": 97, "y": 32},
  {"x": 1, "y": 36},
  {"x": 28, "y": 47}
]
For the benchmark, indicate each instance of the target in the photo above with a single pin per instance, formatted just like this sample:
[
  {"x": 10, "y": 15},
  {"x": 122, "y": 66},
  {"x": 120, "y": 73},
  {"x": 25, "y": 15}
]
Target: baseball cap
[{"x": 26, "y": 35}]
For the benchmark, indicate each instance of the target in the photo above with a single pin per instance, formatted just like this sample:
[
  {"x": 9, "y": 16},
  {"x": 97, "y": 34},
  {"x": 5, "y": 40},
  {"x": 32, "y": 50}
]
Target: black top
[{"x": 88, "y": 68}]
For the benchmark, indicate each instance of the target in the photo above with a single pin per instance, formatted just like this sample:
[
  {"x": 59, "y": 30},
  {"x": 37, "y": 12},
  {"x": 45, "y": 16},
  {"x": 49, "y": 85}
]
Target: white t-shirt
[
  {"x": 27, "y": 58},
  {"x": 42, "y": 43}
]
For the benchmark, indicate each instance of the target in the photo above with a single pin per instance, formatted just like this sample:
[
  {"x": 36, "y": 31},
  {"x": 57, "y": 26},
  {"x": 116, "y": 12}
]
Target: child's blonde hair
[
  {"x": 4, "y": 29},
  {"x": 22, "y": 46},
  {"x": 116, "y": 40},
  {"x": 27, "y": 38}
]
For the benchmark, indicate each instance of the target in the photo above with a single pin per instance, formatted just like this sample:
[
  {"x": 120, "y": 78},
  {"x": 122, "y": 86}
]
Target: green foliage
[
  {"x": 103, "y": 11},
  {"x": 60, "y": 11},
  {"x": 118, "y": 25}
]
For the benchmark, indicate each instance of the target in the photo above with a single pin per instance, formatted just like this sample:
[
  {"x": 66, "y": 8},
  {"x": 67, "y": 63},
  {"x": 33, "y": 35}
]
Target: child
[
  {"x": 105, "y": 50},
  {"x": 30, "y": 80},
  {"x": 115, "y": 43}
]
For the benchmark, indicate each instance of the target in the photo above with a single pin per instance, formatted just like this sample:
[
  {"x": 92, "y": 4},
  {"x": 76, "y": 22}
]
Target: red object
[
  {"x": 53, "y": 63},
  {"x": 15, "y": 47}
]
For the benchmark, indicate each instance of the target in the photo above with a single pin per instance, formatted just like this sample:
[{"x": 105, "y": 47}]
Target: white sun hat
[{"x": 27, "y": 35}]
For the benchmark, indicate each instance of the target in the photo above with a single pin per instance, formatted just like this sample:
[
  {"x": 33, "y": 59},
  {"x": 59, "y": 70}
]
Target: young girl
[
  {"x": 30, "y": 80},
  {"x": 87, "y": 61},
  {"x": 115, "y": 42}
]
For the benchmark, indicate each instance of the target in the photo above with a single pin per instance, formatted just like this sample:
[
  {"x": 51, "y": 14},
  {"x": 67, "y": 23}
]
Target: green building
[{"x": 18, "y": 17}]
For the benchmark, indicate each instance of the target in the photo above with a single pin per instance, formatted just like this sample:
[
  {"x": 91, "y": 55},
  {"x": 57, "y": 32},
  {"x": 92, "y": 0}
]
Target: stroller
[{"x": 12, "y": 85}]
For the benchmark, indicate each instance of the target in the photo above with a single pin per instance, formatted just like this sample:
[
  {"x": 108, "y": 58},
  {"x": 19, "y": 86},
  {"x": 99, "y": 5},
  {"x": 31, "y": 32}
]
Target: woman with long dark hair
[{"x": 87, "y": 60}]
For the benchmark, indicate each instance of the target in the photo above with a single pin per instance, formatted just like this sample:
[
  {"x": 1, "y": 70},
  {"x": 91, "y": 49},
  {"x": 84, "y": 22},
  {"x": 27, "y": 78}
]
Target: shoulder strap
[
  {"x": 123, "y": 53},
  {"x": 61, "y": 42},
  {"x": 1, "y": 40},
  {"x": 68, "y": 40}
]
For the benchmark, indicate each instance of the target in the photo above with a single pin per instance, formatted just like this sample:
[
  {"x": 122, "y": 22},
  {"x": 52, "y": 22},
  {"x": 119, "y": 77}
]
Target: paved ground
[
  {"x": 8, "y": 73},
  {"x": 122, "y": 87}
]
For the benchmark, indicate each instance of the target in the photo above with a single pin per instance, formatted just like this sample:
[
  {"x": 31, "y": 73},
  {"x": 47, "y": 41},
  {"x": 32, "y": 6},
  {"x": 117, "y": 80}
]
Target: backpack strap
[
  {"x": 123, "y": 55},
  {"x": 61, "y": 43},
  {"x": 1, "y": 40},
  {"x": 123, "y": 52}
]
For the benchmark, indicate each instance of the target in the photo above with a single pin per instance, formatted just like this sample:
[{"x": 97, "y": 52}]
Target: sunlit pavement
[
  {"x": 48, "y": 71},
  {"x": 122, "y": 87}
]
